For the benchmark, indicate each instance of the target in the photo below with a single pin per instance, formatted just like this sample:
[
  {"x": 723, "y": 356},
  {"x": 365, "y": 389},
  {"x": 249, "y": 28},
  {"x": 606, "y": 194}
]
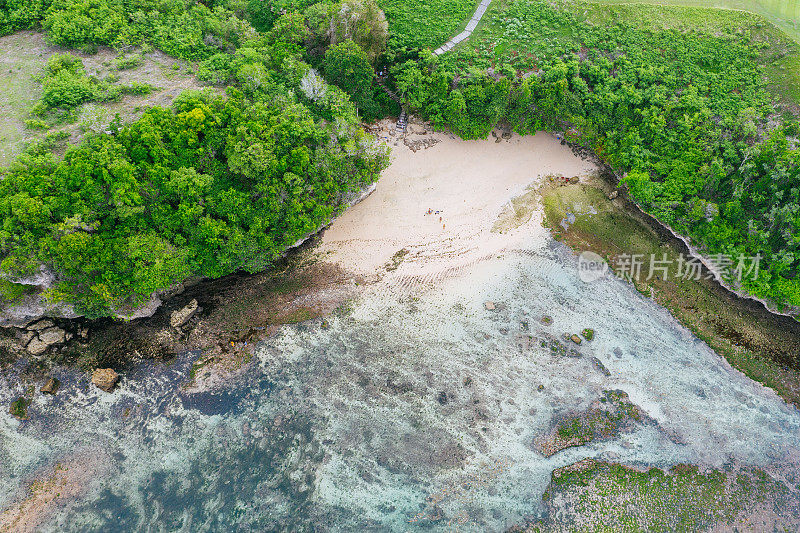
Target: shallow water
[{"x": 413, "y": 410}]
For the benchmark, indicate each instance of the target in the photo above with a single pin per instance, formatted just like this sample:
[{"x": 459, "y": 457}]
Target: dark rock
[
  {"x": 401, "y": 387},
  {"x": 600, "y": 366},
  {"x": 442, "y": 398}
]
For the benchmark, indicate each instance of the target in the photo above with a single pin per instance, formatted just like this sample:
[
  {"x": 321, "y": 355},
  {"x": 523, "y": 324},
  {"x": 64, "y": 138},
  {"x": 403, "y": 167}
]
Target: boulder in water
[
  {"x": 105, "y": 379},
  {"x": 19, "y": 408},
  {"x": 51, "y": 387}
]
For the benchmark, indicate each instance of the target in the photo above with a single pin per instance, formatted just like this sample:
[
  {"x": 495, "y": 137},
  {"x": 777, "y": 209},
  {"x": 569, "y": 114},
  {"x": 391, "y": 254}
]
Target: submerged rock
[
  {"x": 182, "y": 316},
  {"x": 19, "y": 408},
  {"x": 600, "y": 366},
  {"x": 610, "y": 416},
  {"x": 105, "y": 379},
  {"x": 490, "y": 306}
]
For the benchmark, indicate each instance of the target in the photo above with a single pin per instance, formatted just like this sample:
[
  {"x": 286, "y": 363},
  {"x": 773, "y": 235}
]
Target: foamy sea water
[{"x": 415, "y": 410}]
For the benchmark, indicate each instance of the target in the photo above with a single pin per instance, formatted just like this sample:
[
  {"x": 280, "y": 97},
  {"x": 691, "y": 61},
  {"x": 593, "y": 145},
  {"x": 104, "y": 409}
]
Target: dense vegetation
[
  {"x": 215, "y": 184},
  {"x": 675, "y": 101},
  {"x": 182, "y": 28},
  {"x": 685, "y": 116}
]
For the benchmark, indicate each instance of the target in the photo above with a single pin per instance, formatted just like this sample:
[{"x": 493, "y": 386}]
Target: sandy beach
[{"x": 439, "y": 204}]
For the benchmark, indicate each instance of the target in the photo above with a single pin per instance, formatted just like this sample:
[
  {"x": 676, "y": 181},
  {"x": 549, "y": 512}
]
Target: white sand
[{"x": 469, "y": 182}]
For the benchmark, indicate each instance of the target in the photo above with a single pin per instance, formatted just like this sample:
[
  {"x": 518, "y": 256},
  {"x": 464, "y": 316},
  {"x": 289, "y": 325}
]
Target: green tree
[{"x": 348, "y": 66}]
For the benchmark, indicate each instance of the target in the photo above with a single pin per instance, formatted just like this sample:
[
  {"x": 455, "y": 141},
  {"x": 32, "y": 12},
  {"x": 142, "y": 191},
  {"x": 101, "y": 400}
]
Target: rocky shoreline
[{"x": 612, "y": 179}]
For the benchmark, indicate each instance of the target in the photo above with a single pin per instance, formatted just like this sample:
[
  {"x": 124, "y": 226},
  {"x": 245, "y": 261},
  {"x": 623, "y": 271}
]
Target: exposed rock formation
[{"x": 41, "y": 335}]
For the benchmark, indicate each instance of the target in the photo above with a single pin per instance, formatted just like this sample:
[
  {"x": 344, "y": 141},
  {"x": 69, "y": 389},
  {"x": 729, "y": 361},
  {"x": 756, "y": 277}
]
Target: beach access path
[{"x": 471, "y": 25}]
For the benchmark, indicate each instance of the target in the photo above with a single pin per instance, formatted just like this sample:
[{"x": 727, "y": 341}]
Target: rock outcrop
[
  {"x": 41, "y": 335},
  {"x": 182, "y": 316}
]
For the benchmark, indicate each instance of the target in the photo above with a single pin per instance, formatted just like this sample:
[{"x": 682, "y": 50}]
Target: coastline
[
  {"x": 401, "y": 375},
  {"x": 761, "y": 344},
  {"x": 477, "y": 196}
]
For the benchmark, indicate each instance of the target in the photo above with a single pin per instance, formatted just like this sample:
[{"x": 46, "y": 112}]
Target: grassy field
[
  {"x": 23, "y": 56},
  {"x": 427, "y": 24},
  {"x": 526, "y": 32},
  {"x": 785, "y": 14}
]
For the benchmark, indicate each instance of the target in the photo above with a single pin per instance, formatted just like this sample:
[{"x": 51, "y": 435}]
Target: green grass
[
  {"x": 11, "y": 292},
  {"x": 526, "y": 33},
  {"x": 784, "y": 78},
  {"x": 20, "y": 60},
  {"x": 427, "y": 24},
  {"x": 785, "y": 14}
]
